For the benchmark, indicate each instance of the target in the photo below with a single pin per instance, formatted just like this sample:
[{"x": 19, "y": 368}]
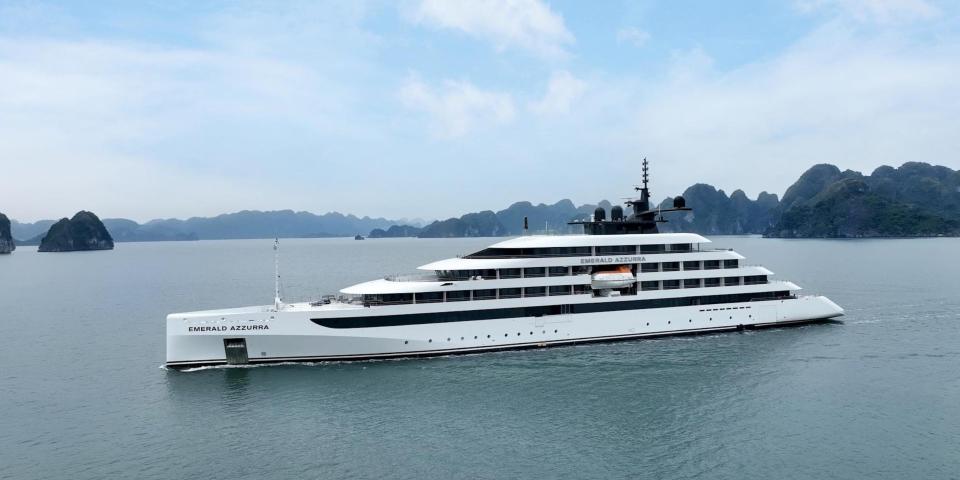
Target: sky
[{"x": 435, "y": 108}]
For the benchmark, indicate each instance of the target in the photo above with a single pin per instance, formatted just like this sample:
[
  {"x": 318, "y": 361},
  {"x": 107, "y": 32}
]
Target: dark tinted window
[
  {"x": 649, "y": 285},
  {"x": 581, "y": 269},
  {"x": 670, "y": 266},
  {"x": 681, "y": 247},
  {"x": 693, "y": 265},
  {"x": 652, "y": 248},
  {"x": 731, "y": 281},
  {"x": 485, "y": 294},
  {"x": 711, "y": 264},
  {"x": 560, "y": 290},
  {"x": 534, "y": 291},
  {"x": 691, "y": 283},
  {"x": 509, "y": 273},
  {"x": 509, "y": 293},
  {"x": 458, "y": 295},
  {"x": 617, "y": 250},
  {"x": 711, "y": 282},
  {"x": 534, "y": 272},
  {"x": 755, "y": 280},
  {"x": 649, "y": 267},
  {"x": 558, "y": 271},
  {"x": 429, "y": 297},
  {"x": 671, "y": 284},
  {"x": 390, "y": 298},
  {"x": 581, "y": 289},
  {"x": 731, "y": 263}
]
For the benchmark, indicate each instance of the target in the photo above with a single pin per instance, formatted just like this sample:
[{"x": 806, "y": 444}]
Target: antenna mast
[{"x": 277, "y": 303}]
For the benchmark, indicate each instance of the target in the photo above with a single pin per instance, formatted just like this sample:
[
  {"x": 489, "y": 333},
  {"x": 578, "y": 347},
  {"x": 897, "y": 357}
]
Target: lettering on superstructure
[{"x": 623, "y": 259}]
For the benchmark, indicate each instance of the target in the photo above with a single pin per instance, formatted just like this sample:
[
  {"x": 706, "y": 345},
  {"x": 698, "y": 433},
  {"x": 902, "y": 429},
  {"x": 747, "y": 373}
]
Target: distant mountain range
[
  {"x": 244, "y": 224},
  {"x": 916, "y": 199}
]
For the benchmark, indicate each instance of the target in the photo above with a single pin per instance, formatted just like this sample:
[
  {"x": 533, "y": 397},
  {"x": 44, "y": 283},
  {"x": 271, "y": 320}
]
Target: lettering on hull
[{"x": 224, "y": 328}]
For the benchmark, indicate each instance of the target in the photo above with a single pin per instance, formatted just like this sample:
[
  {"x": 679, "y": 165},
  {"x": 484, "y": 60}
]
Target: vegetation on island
[
  {"x": 6, "y": 239},
  {"x": 84, "y": 231}
]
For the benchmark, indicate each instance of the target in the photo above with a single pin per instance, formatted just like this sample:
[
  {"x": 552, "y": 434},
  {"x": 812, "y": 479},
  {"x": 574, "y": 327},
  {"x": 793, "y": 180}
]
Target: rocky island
[
  {"x": 84, "y": 231},
  {"x": 6, "y": 240}
]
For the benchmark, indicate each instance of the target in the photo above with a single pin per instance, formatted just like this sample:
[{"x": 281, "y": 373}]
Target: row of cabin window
[
  {"x": 481, "y": 294},
  {"x": 534, "y": 272},
  {"x": 504, "y": 273},
  {"x": 703, "y": 282},
  {"x": 650, "y": 267},
  {"x": 581, "y": 251}
]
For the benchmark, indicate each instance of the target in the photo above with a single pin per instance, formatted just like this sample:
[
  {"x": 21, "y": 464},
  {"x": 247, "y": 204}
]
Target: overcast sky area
[{"x": 436, "y": 108}]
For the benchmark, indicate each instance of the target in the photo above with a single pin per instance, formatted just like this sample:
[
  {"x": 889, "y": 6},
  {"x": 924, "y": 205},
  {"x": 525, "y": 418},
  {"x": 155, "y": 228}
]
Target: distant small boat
[{"x": 358, "y": 237}]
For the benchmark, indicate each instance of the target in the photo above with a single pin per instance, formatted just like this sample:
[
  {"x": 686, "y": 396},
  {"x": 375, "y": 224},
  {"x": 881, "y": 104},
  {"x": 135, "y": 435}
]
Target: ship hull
[{"x": 200, "y": 338}]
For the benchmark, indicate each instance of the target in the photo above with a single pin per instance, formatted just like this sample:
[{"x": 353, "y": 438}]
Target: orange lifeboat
[{"x": 613, "y": 276}]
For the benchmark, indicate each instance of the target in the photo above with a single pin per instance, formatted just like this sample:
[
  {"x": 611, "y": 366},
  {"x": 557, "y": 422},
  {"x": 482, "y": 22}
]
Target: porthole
[
  {"x": 461, "y": 338},
  {"x": 751, "y": 316},
  {"x": 518, "y": 334},
  {"x": 448, "y": 339},
  {"x": 731, "y": 318},
  {"x": 406, "y": 342},
  {"x": 474, "y": 337},
  {"x": 648, "y": 324},
  {"x": 505, "y": 334},
  {"x": 554, "y": 331},
  {"x": 690, "y": 321},
  {"x": 544, "y": 331},
  {"x": 488, "y": 336},
  {"x": 669, "y": 322},
  {"x": 531, "y": 333},
  {"x": 430, "y": 341}
]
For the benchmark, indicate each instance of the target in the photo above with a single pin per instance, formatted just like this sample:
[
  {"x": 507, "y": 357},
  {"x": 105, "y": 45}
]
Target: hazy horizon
[{"x": 433, "y": 109}]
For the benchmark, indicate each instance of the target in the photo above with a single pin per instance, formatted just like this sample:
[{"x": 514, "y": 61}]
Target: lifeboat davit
[{"x": 618, "y": 276}]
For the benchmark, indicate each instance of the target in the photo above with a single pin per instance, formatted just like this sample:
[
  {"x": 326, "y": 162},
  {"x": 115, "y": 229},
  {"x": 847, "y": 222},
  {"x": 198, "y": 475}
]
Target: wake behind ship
[{"x": 621, "y": 279}]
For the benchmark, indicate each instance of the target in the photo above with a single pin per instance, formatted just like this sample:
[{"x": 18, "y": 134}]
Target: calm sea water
[{"x": 83, "y": 394}]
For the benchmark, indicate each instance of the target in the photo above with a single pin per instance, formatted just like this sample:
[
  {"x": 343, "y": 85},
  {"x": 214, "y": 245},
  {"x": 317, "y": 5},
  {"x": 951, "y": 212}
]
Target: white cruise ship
[{"x": 619, "y": 280}]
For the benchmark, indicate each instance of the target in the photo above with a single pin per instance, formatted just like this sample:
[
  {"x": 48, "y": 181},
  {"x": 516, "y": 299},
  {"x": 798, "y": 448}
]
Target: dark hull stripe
[{"x": 512, "y": 346}]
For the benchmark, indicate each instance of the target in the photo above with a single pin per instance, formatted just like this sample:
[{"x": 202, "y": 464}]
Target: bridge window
[
  {"x": 649, "y": 285},
  {"x": 731, "y": 281},
  {"x": 731, "y": 263},
  {"x": 670, "y": 266},
  {"x": 711, "y": 264},
  {"x": 691, "y": 265},
  {"x": 755, "y": 280},
  {"x": 680, "y": 247}
]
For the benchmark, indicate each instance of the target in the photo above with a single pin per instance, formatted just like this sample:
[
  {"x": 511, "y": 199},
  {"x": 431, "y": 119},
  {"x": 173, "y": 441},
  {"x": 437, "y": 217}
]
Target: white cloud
[
  {"x": 526, "y": 24},
  {"x": 879, "y": 11},
  {"x": 832, "y": 97},
  {"x": 457, "y": 106},
  {"x": 633, "y": 36},
  {"x": 562, "y": 90}
]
